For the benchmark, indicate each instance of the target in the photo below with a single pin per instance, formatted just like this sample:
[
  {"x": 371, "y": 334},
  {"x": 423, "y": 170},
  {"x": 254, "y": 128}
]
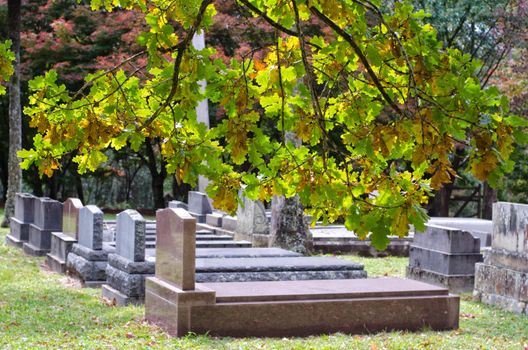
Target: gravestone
[
  {"x": 502, "y": 279},
  {"x": 24, "y": 216},
  {"x": 62, "y": 242},
  {"x": 444, "y": 256},
  {"x": 252, "y": 223},
  {"x": 48, "y": 219},
  {"x": 479, "y": 228},
  {"x": 178, "y": 204},
  {"x": 288, "y": 228},
  {"x": 88, "y": 259},
  {"x": 127, "y": 267},
  {"x": 199, "y": 205},
  {"x": 179, "y": 306}
]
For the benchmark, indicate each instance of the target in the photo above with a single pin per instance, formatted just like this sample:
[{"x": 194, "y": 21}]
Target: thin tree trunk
[
  {"x": 489, "y": 197},
  {"x": 15, "y": 117}
]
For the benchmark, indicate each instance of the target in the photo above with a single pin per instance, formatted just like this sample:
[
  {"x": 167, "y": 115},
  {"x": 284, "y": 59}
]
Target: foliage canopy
[{"x": 375, "y": 103}]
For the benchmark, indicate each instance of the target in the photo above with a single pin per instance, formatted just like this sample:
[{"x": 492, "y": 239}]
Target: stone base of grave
[
  {"x": 39, "y": 242},
  {"x": 455, "y": 283},
  {"x": 118, "y": 298},
  {"x": 300, "y": 308},
  {"x": 61, "y": 246},
  {"x": 257, "y": 240},
  {"x": 127, "y": 278},
  {"x": 87, "y": 265},
  {"x": 14, "y": 242},
  {"x": 18, "y": 233},
  {"x": 505, "y": 287}
]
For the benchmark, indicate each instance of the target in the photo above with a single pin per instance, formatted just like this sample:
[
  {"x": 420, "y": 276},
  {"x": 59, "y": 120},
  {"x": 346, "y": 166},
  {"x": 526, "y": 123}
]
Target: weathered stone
[
  {"x": 91, "y": 227},
  {"x": 206, "y": 253},
  {"x": 241, "y": 276},
  {"x": 70, "y": 217},
  {"x": 288, "y": 227},
  {"x": 19, "y": 232},
  {"x": 251, "y": 218},
  {"x": 131, "y": 267},
  {"x": 130, "y": 235},
  {"x": 61, "y": 245},
  {"x": 444, "y": 256},
  {"x": 91, "y": 254},
  {"x": 510, "y": 222},
  {"x": 87, "y": 271},
  {"x": 131, "y": 285},
  {"x": 229, "y": 223},
  {"x": 479, "y": 228},
  {"x": 502, "y": 279}
]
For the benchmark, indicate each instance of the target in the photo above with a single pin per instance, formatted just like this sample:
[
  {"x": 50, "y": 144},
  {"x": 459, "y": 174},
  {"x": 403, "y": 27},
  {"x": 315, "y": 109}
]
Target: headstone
[
  {"x": 502, "y": 279},
  {"x": 48, "y": 219},
  {"x": 199, "y": 205},
  {"x": 479, "y": 228},
  {"x": 91, "y": 227},
  {"x": 444, "y": 256},
  {"x": 20, "y": 223},
  {"x": 89, "y": 257},
  {"x": 127, "y": 268},
  {"x": 130, "y": 235},
  {"x": 62, "y": 242},
  {"x": 175, "y": 249},
  {"x": 252, "y": 218},
  {"x": 289, "y": 229},
  {"x": 70, "y": 217}
]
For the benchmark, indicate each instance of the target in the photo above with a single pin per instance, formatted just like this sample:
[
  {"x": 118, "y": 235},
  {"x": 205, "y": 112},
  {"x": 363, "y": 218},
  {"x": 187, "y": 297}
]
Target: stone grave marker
[
  {"x": 502, "y": 279},
  {"x": 48, "y": 219},
  {"x": 199, "y": 205},
  {"x": 127, "y": 267},
  {"x": 444, "y": 256},
  {"x": 252, "y": 223},
  {"x": 24, "y": 216},
  {"x": 62, "y": 242},
  {"x": 88, "y": 258}
]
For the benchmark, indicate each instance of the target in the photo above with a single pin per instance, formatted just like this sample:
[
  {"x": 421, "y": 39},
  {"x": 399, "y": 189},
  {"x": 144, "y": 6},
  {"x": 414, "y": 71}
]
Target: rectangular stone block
[
  {"x": 448, "y": 264},
  {"x": 199, "y": 203},
  {"x": 229, "y": 223},
  {"x": 48, "y": 214},
  {"x": 19, "y": 229},
  {"x": 510, "y": 222},
  {"x": 178, "y": 204},
  {"x": 70, "y": 217},
  {"x": 25, "y": 207},
  {"x": 61, "y": 245},
  {"x": 91, "y": 227},
  {"x": 447, "y": 239},
  {"x": 130, "y": 235},
  {"x": 176, "y": 247},
  {"x": 214, "y": 219}
]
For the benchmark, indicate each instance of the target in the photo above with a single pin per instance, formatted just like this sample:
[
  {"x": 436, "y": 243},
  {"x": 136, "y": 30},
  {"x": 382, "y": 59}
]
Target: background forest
[{"x": 67, "y": 36}]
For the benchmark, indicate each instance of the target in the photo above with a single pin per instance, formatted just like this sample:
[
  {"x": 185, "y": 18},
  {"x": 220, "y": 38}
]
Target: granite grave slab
[{"x": 179, "y": 305}]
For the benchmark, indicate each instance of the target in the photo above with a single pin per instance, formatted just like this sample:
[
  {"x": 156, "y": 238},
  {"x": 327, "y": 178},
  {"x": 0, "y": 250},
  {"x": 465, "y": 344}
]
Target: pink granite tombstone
[{"x": 70, "y": 217}]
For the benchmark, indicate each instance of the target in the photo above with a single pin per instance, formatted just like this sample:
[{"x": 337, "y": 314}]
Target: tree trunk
[
  {"x": 15, "y": 117},
  {"x": 489, "y": 197},
  {"x": 158, "y": 177}
]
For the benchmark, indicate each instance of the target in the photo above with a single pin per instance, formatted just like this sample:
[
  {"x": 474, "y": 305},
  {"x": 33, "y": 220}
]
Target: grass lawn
[{"x": 44, "y": 310}]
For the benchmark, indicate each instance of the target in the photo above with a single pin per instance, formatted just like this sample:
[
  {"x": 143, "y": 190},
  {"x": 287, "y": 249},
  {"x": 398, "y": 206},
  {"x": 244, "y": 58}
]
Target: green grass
[{"x": 44, "y": 310}]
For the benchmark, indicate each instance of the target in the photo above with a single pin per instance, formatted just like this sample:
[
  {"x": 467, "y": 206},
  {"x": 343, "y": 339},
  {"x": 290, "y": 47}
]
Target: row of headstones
[
  {"x": 453, "y": 258},
  {"x": 251, "y": 223}
]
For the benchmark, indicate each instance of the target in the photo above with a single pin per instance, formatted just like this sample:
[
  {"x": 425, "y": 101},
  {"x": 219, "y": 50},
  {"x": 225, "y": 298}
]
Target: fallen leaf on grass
[
  {"x": 467, "y": 315},
  {"x": 130, "y": 335}
]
